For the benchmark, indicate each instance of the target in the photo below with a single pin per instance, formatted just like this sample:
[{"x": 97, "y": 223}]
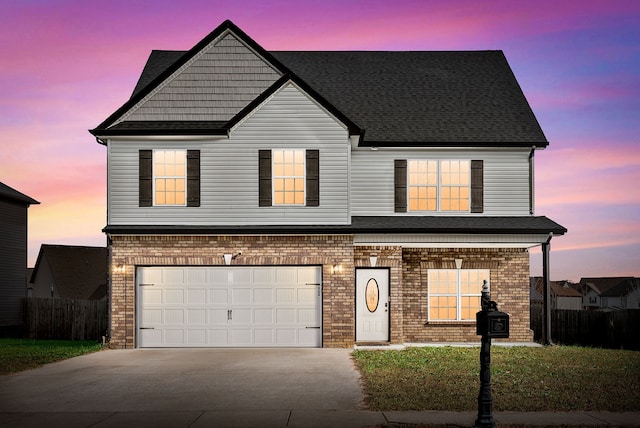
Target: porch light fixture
[
  {"x": 227, "y": 259},
  {"x": 119, "y": 268},
  {"x": 458, "y": 263},
  {"x": 373, "y": 260},
  {"x": 336, "y": 269}
]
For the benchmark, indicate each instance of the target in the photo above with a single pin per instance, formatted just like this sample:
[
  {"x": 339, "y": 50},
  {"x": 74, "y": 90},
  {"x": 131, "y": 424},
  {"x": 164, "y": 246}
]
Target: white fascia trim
[
  {"x": 165, "y": 137},
  {"x": 450, "y": 241}
]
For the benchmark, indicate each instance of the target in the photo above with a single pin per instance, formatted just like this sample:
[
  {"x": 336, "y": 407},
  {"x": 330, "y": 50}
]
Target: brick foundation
[{"x": 408, "y": 274}]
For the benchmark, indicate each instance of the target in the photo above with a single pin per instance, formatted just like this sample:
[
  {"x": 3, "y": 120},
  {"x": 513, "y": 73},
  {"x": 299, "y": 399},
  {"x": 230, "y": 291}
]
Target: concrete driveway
[{"x": 187, "y": 387}]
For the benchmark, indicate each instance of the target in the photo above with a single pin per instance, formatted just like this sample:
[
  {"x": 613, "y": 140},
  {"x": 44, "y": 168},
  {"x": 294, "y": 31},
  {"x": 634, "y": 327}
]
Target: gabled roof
[
  {"x": 558, "y": 288},
  {"x": 78, "y": 272},
  {"x": 601, "y": 285},
  {"x": 459, "y": 99},
  {"x": 622, "y": 288},
  {"x": 11, "y": 194}
]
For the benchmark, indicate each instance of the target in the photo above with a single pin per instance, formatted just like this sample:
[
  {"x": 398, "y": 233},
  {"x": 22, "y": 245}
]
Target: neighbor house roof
[
  {"x": 600, "y": 285},
  {"x": 9, "y": 193},
  {"x": 623, "y": 288},
  {"x": 373, "y": 224},
  {"x": 413, "y": 98},
  {"x": 79, "y": 272}
]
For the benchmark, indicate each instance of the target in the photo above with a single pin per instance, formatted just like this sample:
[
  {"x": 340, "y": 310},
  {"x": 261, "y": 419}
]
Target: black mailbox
[{"x": 493, "y": 324}]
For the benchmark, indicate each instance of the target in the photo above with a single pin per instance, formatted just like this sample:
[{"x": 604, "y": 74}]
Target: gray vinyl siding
[
  {"x": 216, "y": 85},
  {"x": 506, "y": 180},
  {"x": 13, "y": 265},
  {"x": 229, "y": 169}
]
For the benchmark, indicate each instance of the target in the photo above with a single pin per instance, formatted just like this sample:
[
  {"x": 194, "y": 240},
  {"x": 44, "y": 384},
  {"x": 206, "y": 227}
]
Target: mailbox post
[{"x": 490, "y": 323}]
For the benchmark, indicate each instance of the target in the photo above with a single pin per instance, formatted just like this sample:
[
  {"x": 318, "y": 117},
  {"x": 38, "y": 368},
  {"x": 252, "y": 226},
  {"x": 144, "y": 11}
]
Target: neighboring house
[
  {"x": 70, "y": 272},
  {"x": 596, "y": 292},
  {"x": 262, "y": 198},
  {"x": 623, "y": 295},
  {"x": 563, "y": 295},
  {"x": 13, "y": 257}
]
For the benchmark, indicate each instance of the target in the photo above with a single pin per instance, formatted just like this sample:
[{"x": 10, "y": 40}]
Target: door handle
[
  {"x": 386, "y": 306},
  {"x": 229, "y": 314}
]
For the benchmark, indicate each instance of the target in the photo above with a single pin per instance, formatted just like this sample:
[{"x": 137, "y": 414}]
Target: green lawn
[
  {"x": 22, "y": 354},
  {"x": 556, "y": 378}
]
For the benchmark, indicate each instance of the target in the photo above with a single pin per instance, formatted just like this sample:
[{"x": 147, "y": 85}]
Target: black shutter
[
  {"x": 313, "y": 178},
  {"x": 477, "y": 186},
  {"x": 264, "y": 181},
  {"x": 145, "y": 178},
  {"x": 400, "y": 185},
  {"x": 193, "y": 178}
]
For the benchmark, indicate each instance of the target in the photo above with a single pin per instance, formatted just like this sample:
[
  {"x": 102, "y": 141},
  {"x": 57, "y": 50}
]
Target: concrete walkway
[{"x": 222, "y": 388}]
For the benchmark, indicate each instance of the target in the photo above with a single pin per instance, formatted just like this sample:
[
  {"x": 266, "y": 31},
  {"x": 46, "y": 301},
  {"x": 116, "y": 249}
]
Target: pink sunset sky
[{"x": 65, "y": 65}]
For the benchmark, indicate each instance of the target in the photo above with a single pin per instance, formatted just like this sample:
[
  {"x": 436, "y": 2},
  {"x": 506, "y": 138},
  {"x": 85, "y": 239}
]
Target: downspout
[{"x": 546, "y": 306}]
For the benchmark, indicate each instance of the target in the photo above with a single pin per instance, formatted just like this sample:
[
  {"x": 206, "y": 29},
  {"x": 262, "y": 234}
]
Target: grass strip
[
  {"x": 22, "y": 354},
  {"x": 555, "y": 378}
]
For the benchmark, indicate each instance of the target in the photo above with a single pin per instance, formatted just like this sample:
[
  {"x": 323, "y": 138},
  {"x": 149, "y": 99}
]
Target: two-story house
[{"x": 260, "y": 198}]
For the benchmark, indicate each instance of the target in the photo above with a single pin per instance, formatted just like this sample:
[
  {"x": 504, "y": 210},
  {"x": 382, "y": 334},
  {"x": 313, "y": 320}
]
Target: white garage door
[{"x": 229, "y": 306}]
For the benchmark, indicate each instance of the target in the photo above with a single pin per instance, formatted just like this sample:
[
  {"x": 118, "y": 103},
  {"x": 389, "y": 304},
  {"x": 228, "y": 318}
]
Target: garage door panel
[
  {"x": 151, "y": 317},
  {"x": 228, "y": 306},
  {"x": 196, "y": 337},
  {"x": 218, "y": 296},
  {"x": 196, "y": 296},
  {"x": 173, "y": 276},
  {"x": 263, "y": 296},
  {"x": 173, "y": 316},
  {"x": 174, "y": 337},
  {"x": 286, "y": 316},
  {"x": 150, "y": 295},
  {"x": 241, "y": 296},
  {"x": 285, "y": 295},
  {"x": 263, "y": 316},
  {"x": 196, "y": 316},
  {"x": 196, "y": 276},
  {"x": 219, "y": 337}
]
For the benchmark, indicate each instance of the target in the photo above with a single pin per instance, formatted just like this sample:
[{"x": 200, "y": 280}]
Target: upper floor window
[
  {"x": 439, "y": 185},
  {"x": 288, "y": 177},
  {"x": 169, "y": 177},
  {"x": 454, "y": 294}
]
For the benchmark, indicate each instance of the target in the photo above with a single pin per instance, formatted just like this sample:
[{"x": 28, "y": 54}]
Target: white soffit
[{"x": 451, "y": 240}]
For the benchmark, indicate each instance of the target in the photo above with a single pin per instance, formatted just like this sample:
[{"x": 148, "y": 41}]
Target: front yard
[
  {"x": 556, "y": 378},
  {"x": 22, "y": 354}
]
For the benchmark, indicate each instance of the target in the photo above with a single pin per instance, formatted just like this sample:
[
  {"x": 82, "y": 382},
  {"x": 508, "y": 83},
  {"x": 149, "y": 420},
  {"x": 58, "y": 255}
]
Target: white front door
[{"x": 372, "y": 305}]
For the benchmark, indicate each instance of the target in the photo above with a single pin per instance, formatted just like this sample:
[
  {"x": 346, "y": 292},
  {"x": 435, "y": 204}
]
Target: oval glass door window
[{"x": 372, "y": 295}]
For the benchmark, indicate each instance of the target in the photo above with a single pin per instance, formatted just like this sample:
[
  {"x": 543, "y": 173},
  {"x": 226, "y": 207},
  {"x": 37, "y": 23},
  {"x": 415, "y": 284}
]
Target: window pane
[
  {"x": 288, "y": 176},
  {"x": 170, "y": 177}
]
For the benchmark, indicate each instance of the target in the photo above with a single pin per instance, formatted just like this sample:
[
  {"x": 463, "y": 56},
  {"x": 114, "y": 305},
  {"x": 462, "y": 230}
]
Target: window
[
  {"x": 288, "y": 177},
  {"x": 454, "y": 294},
  {"x": 439, "y": 185},
  {"x": 169, "y": 178}
]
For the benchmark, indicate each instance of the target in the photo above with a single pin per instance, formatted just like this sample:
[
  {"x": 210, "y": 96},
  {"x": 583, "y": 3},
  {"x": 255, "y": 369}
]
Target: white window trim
[
  {"x": 439, "y": 187},
  {"x": 458, "y": 295},
  {"x": 154, "y": 177},
  {"x": 304, "y": 178}
]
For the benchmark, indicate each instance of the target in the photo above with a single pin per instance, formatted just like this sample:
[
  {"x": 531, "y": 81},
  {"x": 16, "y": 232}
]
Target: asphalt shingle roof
[
  {"x": 10, "y": 193},
  {"x": 422, "y": 98}
]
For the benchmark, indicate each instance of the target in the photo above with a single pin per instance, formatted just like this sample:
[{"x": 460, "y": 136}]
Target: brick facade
[{"x": 408, "y": 275}]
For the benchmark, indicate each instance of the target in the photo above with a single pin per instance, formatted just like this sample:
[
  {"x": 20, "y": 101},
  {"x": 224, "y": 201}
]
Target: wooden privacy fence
[
  {"x": 613, "y": 330},
  {"x": 67, "y": 319}
]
